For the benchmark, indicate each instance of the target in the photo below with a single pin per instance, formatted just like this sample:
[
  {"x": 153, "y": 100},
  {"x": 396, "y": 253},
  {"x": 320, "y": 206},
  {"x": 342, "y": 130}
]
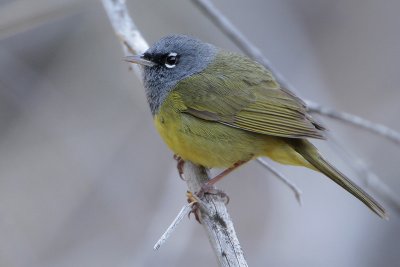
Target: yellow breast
[
  {"x": 206, "y": 143},
  {"x": 212, "y": 144}
]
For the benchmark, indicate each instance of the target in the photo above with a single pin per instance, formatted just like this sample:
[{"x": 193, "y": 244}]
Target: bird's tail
[{"x": 310, "y": 153}]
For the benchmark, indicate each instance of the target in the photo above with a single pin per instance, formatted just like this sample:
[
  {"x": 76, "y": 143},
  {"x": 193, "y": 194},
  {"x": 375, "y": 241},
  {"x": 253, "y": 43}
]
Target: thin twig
[
  {"x": 237, "y": 37},
  {"x": 370, "y": 179},
  {"x": 162, "y": 209},
  {"x": 128, "y": 34},
  {"x": 297, "y": 192},
  {"x": 214, "y": 216},
  {"x": 182, "y": 213},
  {"x": 354, "y": 120}
]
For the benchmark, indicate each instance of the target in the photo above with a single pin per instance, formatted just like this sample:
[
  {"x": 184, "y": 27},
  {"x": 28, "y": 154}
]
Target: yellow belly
[{"x": 212, "y": 144}]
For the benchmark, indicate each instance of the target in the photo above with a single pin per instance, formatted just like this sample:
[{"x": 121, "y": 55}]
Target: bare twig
[
  {"x": 162, "y": 209},
  {"x": 351, "y": 119},
  {"x": 213, "y": 214},
  {"x": 297, "y": 192},
  {"x": 370, "y": 179},
  {"x": 128, "y": 34},
  {"x": 237, "y": 37},
  {"x": 215, "y": 218},
  {"x": 182, "y": 213},
  {"x": 226, "y": 26}
]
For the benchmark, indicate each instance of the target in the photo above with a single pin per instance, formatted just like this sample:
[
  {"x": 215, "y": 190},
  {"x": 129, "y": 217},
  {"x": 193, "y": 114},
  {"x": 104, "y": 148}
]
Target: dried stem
[
  {"x": 214, "y": 216},
  {"x": 354, "y": 120},
  {"x": 297, "y": 192},
  {"x": 365, "y": 174},
  {"x": 182, "y": 213}
]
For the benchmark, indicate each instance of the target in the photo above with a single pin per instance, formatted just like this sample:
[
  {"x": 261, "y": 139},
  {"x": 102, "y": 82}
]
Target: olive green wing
[{"x": 240, "y": 93}]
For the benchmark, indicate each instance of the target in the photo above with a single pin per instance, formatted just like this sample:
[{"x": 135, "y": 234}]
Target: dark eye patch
[{"x": 159, "y": 59}]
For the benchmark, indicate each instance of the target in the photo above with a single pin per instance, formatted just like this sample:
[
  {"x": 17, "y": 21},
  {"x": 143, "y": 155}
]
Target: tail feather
[{"x": 310, "y": 153}]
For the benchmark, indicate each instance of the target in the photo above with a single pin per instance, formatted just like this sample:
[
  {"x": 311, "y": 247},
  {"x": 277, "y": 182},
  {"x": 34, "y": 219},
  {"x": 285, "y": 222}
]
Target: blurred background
[{"x": 85, "y": 180}]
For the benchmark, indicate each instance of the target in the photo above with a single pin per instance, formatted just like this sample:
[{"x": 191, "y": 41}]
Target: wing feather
[{"x": 240, "y": 93}]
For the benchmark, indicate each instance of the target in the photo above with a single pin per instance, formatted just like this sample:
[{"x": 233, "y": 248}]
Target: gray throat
[{"x": 160, "y": 81}]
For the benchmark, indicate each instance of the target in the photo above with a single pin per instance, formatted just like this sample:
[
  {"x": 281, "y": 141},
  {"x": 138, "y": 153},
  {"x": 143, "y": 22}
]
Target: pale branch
[
  {"x": 214, "y": 216},
  {"x": 182, "y": 213},
  {"x": 354, "y": 120},
  {"x": 365, "y": 174},
  {"x": 297, "y": 192},
  {"x": 128, "y": 34},
  {"x": 237, "y": 37}
]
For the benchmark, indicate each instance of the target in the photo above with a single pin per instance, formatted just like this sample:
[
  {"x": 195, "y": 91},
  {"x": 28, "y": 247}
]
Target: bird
[{"x": 220, "y": 109}]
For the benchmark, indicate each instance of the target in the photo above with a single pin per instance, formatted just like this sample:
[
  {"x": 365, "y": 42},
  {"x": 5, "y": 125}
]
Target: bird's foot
[
  {"x": 211, "y": 190},
  {"x": 195, "y": 206},
  {"x": 179, "y": 165}
]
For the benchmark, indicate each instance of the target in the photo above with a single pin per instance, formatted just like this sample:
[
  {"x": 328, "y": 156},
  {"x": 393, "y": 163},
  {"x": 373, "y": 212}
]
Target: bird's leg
[
  {"x": 208, "y": 188},
  {"x": 227, "y": 171},
  {"x": 179, "y": 165}
]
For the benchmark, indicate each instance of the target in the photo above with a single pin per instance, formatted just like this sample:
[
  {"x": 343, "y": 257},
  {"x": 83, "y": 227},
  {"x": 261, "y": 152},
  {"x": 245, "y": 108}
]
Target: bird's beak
[{"x": 138, "y": 59}]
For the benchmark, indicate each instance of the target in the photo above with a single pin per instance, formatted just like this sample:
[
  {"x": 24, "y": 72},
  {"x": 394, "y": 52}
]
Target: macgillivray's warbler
[{"x": 221, "y": 109}]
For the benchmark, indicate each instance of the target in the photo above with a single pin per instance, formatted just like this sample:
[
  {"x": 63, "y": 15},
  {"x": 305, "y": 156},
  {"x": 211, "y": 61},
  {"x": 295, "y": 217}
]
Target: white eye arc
[{"x": 171, "y": 60}]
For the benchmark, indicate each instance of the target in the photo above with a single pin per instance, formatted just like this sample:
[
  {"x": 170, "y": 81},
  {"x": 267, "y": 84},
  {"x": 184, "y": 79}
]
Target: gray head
[{"x": 168, "y": 61}]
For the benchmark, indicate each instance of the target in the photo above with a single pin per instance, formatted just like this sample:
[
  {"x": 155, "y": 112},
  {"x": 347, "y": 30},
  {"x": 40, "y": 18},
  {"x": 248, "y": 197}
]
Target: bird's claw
[
  {"x": 209, "y": 189},
  {"x": 195, "y": 206}
]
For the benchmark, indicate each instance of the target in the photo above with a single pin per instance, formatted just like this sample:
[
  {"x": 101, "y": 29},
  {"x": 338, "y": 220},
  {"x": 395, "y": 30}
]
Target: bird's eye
[{"x": 171, "y": 60}]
